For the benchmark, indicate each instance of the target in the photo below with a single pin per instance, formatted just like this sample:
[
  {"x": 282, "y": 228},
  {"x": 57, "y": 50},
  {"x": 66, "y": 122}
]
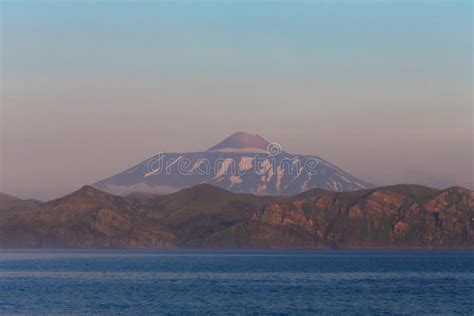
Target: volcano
[{"x": 241, "y": 163}]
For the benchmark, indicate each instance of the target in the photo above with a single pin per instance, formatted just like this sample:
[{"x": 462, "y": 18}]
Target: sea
[{"x": 235, "y": 282}]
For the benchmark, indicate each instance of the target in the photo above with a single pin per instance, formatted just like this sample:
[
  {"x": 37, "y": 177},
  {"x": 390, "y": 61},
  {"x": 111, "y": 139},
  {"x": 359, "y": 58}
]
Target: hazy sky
[{"x": 381, "y": 88}]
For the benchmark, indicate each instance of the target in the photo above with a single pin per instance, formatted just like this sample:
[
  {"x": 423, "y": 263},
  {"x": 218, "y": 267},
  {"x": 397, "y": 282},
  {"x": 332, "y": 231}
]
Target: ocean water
[{"x": 236, "y": 282}]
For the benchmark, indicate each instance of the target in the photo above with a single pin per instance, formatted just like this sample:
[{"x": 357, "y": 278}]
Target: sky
[{"x": 383, "y": 89}]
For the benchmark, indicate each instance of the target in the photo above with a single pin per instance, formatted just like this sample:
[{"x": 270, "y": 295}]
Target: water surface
[{"x": 236, "y": 281}]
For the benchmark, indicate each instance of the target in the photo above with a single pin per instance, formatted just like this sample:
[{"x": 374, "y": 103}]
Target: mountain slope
[
  {"x": 85, "y": 218},
  {"x": 12, "y": 203},
  {"x": 204, "y": 209},
  {"x": 241, "y": 163},
  {"x": 397, "y": 216},
  {"x": 207, "y": 216}
]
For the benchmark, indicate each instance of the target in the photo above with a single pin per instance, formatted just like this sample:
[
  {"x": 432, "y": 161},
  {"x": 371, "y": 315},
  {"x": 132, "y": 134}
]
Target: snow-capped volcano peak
[
  {"x": 242, "y": 163},
  {"x": 241, "y": 141}
]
